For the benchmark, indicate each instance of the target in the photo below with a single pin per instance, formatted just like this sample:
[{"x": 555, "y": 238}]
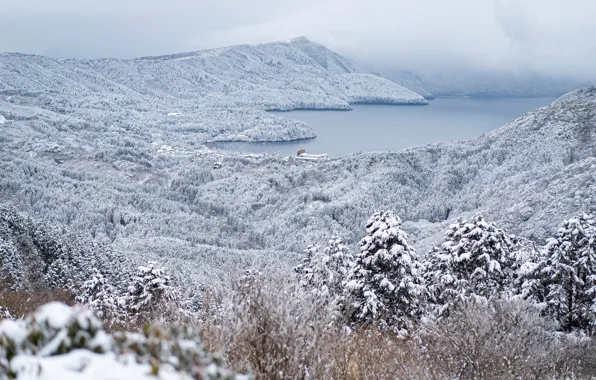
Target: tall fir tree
[
  {"x": 323, "y": 272},
  {"x": 563, "y": 280},
  {"x": 150, "y": 291},
  {"x": 385, "y": 284},
  {"x": 477, "y": 261},
  {"x": 100, "y": 296}
]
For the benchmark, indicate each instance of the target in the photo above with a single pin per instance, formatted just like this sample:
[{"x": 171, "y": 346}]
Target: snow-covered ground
[{"x": 84, "y": 364}]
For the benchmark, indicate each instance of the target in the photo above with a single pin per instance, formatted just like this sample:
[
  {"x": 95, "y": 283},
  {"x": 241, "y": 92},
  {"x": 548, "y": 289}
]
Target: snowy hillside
[
  {"x": 140, "y": 181},
  {"x": 326, "y": 58},
  {"x": 266, "y": 72},
  {"x": 371, "y": 89},
  {"x": 220, "y": 94}
]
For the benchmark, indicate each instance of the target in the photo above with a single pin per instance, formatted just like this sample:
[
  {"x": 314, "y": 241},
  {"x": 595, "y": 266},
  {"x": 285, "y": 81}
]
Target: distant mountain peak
[{"x": 303, "y": 39}]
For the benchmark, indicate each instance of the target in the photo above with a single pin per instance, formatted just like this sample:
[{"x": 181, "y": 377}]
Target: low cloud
[{"x": 546, "y": 36}]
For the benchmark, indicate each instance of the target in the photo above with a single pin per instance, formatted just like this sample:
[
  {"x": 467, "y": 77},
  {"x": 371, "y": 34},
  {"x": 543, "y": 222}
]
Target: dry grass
[
  {"x": 23, "y": 303},
  {"x": 503, "y": 340},
  {"x": 269, "y": 331}
]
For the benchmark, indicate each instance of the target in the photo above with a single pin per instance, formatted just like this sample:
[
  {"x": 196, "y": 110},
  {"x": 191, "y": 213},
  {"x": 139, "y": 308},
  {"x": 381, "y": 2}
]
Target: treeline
[
  {"x": 387, "y": 283},
  {"x": 513, "y": 309}
]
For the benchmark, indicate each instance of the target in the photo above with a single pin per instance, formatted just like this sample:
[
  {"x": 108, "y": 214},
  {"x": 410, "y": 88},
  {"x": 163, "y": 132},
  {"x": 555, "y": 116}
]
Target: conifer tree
[
  {"x": 101, "y": 297},
  {"x": 323, "y": 272},
  {"x": 563, "y": 281},
  {"x": 150, "y": 291},
  {"x": 385, "y": 284},
  {"x": 477, "y": 261}
]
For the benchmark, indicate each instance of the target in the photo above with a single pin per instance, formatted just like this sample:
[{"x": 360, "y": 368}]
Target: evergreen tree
[
  {"x": 477, "y": 261},
  {"x": 324, "y": 271},
  {"x": 100, "y": 296},
  {"x": 563, "y": 281},
  {"x": 385, "y": 283},
  {"x": 150, "y": 291},
  {"x": 305, "y": 270}
]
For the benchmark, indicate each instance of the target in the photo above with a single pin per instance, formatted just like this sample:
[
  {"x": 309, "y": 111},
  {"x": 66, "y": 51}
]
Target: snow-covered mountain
[
  {"x": 326, "y": 58},
  {"x": 280, "y": 75},
  {"x": 220, "y": 94}
]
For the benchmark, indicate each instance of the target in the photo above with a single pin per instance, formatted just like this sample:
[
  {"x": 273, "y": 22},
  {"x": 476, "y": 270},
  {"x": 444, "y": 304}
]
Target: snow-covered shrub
[
  {"x": 271, "y": 328},
  {"x": 62, "y": 342},
  {"x": 55, "y": 329},
  {"x": 5, "y": 313},
  {"x": 476, "y": 262},
  {"x": 322, "y": 273},
  {"x": 502, "y": 340},
  {"x": 563, "y": 279},
  {"x": 150, "y": 292},
  {"x": 177, "y": 348},
  {"x": 385, "y": 283}
]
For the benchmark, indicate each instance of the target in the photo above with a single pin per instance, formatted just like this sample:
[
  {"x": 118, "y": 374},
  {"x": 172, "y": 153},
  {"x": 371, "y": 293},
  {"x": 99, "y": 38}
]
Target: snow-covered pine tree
[
  {"x": 564, "y": 281},
  {"x": 385, "y": 284},
  {"x": 322, "y": 273},
  {"x": 150, "y": 291},
  {"x": 304, "y": 270},
  {"x": 101, "y": 297},
  {"x": 338, "y": 264},
  {"x": 477, "y": 261}
]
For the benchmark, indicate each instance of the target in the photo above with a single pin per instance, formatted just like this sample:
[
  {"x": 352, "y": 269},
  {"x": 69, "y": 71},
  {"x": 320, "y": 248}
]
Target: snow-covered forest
[
  {"x": 217, "y": 94},
  {"x": 147, "y": 190},
  {"x": 110, "y": 197}
]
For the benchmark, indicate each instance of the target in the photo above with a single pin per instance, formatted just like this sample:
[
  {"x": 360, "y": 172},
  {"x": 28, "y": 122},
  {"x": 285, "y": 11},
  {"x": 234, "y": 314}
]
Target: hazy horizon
[{"x": 548, "y": 38}]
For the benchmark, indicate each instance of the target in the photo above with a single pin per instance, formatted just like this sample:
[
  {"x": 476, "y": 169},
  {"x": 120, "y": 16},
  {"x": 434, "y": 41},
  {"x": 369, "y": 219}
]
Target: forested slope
[{"x": 118, "y": 185}]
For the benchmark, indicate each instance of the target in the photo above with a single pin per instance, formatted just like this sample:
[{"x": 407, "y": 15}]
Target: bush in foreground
[
  {"x": 62, "y": 342},
  {"x": 503, "y": 340},
  {"x": 272, "y": 330}
]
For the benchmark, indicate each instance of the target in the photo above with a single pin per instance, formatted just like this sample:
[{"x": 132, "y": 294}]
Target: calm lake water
[{"x": 384, "y": 128}]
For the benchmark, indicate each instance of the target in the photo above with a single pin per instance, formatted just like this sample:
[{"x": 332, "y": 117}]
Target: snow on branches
[
  {"x": 385, "y": 284},
  {"x": 563, "y": 279},
  {"x": 151, "y": 290},
  {"x": 476, "y": 261},
  {"x": 322, "y": 272}
]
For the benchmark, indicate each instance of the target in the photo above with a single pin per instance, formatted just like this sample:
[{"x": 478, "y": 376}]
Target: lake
[{"x": 370, "y": 128}]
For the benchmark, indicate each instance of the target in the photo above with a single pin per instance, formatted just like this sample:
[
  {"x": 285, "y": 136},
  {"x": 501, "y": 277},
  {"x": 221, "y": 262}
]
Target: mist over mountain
[{"x": 480, "y": 83}]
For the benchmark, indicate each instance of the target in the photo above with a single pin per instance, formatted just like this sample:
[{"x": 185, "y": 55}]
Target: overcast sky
[{"x": 554, "y": 37}]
